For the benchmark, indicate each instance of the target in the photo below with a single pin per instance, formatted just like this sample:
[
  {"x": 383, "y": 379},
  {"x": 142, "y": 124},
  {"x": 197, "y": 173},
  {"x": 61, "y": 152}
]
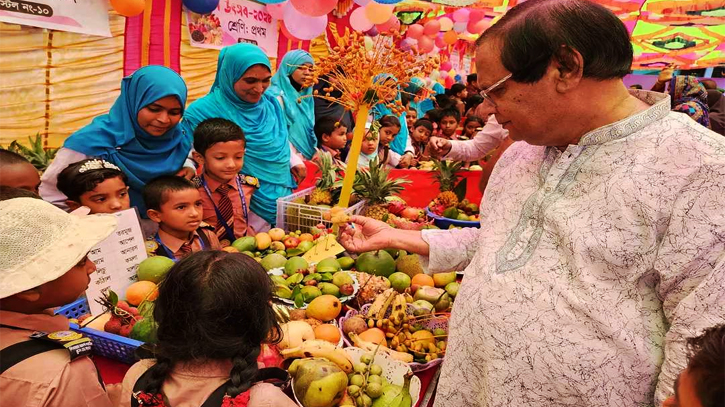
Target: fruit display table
[
  {"x": 113, "y": 372},
  {"x": 421, "y": 189}
]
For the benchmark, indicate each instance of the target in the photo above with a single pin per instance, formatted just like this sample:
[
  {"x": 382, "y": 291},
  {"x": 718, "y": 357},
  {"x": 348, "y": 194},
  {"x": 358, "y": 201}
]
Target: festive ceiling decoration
[{"x": 688, "y": 33}]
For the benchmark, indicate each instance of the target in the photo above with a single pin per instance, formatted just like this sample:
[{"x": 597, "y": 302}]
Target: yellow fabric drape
[{"x": 54, "y": 84}]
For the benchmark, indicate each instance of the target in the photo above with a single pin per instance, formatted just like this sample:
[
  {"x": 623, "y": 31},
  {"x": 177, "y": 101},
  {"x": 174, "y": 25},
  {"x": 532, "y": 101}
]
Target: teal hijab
[
  {"x": 414, "y": 86},
  {"x": 267, "y": 155},
  {"x": 117, "y": 137},
  {"x": 300, "y": 113},
  {"x": 400, "y": 141}
]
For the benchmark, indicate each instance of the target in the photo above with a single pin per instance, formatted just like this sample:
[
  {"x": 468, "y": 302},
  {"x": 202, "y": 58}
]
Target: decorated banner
[
  {"x": 80, "y": 16},
  {"x": 234, "y": 21},
  {"x": 117, "y": 259}
]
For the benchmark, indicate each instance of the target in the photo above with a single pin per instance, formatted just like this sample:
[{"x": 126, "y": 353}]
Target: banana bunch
[
  {"x": 380, "y": 306},
  {"x": 400, "y": 308},
  {"x": 321, "y": 349},
  {"x": 372, "y": 347}
]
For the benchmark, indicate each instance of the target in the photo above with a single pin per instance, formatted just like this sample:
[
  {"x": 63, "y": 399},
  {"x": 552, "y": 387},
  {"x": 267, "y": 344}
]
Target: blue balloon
[
  {"x": 458, "y": 78},
  {"x": 201, "y": 6}
]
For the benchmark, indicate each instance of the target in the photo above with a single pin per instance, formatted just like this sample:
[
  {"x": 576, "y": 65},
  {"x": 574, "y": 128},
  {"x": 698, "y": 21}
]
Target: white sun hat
[{"x": 39, "y": 242}]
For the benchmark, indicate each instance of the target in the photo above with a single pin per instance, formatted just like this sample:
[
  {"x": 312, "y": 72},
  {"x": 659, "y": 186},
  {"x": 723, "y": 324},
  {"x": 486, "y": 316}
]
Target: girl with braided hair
[{"x": 214, "y": 313}]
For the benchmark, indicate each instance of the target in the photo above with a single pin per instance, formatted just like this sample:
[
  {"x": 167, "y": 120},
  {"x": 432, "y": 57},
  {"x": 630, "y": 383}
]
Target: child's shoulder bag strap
[{"x": 217, "y": 397}]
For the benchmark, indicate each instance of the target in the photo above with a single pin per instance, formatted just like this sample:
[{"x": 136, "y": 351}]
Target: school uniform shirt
[
  {"x": 48, "y": 379},
  {"x": 174, "y": 244},
  {"x": 189, "y": 385},
  {"x": 595, "y": 265},
  {"x": 336, "y": 155},
  {"x": 241, "y": 228}
]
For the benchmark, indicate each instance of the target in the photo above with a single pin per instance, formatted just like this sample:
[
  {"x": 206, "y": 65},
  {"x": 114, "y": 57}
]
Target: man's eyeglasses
[{"x": 484, "y": 93}]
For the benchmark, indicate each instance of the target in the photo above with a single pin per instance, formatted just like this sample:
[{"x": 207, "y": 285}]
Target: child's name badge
[{"x": 76, "y": 343}]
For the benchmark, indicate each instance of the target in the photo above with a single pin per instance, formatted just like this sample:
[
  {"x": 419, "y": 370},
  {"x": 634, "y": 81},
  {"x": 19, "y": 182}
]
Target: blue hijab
[
  {"x": 414, "y": 86},
  {"x": 267, "y": 155},
  {"x": 400, "y": 141},
  {"x": 300, "y": 113},
  {"x": 117, "y": 137}
]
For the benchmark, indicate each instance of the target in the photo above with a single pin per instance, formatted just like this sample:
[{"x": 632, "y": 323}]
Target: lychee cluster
[{"x": 123, "y": 318}]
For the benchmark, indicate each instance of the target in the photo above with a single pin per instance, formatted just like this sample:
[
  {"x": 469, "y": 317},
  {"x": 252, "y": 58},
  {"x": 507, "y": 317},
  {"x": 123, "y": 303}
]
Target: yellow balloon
[
  {"x": 378, "y": 13},
  {"x": 129, "y": 8},
  {"x": 446, "y": 23}
]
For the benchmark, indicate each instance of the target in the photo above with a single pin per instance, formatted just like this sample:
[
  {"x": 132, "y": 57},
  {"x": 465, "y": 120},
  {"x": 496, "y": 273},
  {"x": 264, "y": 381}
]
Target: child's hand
[
  {"x": 299, "y": 172},
  {"x": 405, "y": 160},
  {"x": 186, "y": 172}
]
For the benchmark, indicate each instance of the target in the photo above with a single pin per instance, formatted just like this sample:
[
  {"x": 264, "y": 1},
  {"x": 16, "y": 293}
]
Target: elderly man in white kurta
[{"x": 602, "y": 246}]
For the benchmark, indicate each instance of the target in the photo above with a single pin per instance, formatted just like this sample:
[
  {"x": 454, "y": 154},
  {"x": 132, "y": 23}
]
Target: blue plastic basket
[
  {"x": 105, "y": 344},
  {"x": 445, "y": 223}
]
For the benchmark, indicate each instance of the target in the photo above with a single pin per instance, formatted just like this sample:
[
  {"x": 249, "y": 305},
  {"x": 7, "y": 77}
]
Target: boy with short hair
[
  {"x": 421, "y": 133},
  {"x": 45, "y": 265},
  {"x": 219, "y": 146},
  {"x": 449, "y": 123},
  {"x": 331, "y": 136},
  {"x": 17, "y": 172},
  {"x": 176, "y": 205}
]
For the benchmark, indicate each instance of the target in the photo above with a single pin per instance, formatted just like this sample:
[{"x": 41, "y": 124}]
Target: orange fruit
[
  {"x": 230, "y": 249},
  {"x": 422, "y": 280},
  {"x": 141, "y": 290},
  {"x": 374, "y": 335},
  {"x": 307, "y": 237},
  {"x": 328, "y": 332}
]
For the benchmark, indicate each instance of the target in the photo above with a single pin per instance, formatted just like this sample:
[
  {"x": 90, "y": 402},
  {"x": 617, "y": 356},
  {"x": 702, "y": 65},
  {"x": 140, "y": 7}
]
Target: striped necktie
[{"x": 226, "y": 209}]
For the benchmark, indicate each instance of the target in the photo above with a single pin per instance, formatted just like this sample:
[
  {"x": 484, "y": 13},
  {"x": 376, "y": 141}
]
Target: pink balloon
[
  {"x": 476, "y": 16},
  {"x": 431, "y": 28},
  {"x": 373, "y": 32},
  {"x": 461, "y": 15},
  {"x": 359, "y": 21},
  {"x": 315, "y": 8},
  {"x": 277, "y": 10},
  {"x": 425, "y": 44},
  {"x": 362, "y": 2},
  {"x": 287, "y": 34},
  {"x": 446, "y": 66},
  {"x": 477, "y": 27},
  {"x": 446, "y": 23},
  {"x": 439, "y": 42},
  {"x": 391, "y": 25},
  {"x": 444, "y": 74},
  {"x": 302, "y": 26},
  {"x": 415, "y": 31}
]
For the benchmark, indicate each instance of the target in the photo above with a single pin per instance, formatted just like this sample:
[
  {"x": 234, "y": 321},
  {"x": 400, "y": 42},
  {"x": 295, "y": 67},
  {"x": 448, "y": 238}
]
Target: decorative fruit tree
[{"x": 358, "y": 77}]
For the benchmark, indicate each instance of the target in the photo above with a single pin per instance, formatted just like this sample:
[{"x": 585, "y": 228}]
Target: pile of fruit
[
  {"x": 368, "y": 387},
  {"x": 276, "y": 241},
  {"x": 450, "y": 202},
  {"x": 300, "y": 283},
  {"x": 407, "y": 217},
  {"x": 431, "y": 166},
  {"x": 133, "y": 317}
]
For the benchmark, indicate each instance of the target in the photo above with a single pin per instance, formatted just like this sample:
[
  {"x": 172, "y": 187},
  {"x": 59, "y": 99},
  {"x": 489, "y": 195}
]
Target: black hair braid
[
  {"x": 158, "y": 374},
  {"x": 243, "y": 373}
]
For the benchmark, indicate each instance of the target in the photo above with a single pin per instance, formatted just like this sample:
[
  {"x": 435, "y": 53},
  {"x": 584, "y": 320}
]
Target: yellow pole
[{"x": 357, "y": 137}]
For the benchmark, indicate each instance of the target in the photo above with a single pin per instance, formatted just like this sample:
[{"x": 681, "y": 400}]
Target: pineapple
[
  {"x": 322, "y": 194},
  {"x": 447, "y": 178},
  {"x": 37, "y": 155},
  {"x": 373, "y": 186}
]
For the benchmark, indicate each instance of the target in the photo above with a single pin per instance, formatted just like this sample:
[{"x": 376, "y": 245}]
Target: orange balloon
[
  {"x": 378, "y": 13},
  {"x": 129, "y": 8},
  {"x": 450, "y": 37}
]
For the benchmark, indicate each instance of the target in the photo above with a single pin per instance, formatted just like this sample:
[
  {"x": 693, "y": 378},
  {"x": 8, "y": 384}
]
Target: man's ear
[
  {"x": 154, "y": 215},
  {"x": 198, "y": 157},
  {"x": 31, "y": 295},
  {"x": 567, "y": 67},
  {"x": 72, "y": 205}
]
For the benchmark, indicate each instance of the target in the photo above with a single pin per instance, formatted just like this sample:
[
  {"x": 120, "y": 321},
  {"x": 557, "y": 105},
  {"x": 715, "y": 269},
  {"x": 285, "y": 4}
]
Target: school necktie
[
  {"x": 185, "y": 249},
  {"x": 226, "y": 210}
]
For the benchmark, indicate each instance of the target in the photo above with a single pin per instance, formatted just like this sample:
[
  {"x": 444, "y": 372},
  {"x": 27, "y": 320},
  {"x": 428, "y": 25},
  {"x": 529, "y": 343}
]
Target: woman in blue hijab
[
  {"x": 296, "y": 101},
  {"x": 139, "y": 134},
  {"x": 414, "y": 88},
  {"x": 239, "y": 95},
  {"x": 401, "y": 144}
]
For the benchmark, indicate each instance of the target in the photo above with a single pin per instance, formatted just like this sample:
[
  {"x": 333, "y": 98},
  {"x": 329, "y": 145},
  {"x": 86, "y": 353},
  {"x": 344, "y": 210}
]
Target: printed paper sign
[
  {"x": 79, "y": 16},
  {"x": 117, "y": 259},
  {"x": 234, "y": 21}
]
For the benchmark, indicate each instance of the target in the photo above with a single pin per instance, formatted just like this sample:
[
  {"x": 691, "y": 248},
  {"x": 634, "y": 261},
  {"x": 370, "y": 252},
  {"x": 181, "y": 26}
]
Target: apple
[
  {"x": 306, "y": 237},
  {"x": 291, "y": 242}
]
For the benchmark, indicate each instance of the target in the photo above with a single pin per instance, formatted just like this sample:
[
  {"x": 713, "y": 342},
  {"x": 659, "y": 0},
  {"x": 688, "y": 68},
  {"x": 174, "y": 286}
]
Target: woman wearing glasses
[{"x": 239, "y": 95}]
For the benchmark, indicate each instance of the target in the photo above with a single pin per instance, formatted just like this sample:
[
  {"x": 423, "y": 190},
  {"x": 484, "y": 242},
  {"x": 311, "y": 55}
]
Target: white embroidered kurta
[{"x": 591, "y": 269}]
